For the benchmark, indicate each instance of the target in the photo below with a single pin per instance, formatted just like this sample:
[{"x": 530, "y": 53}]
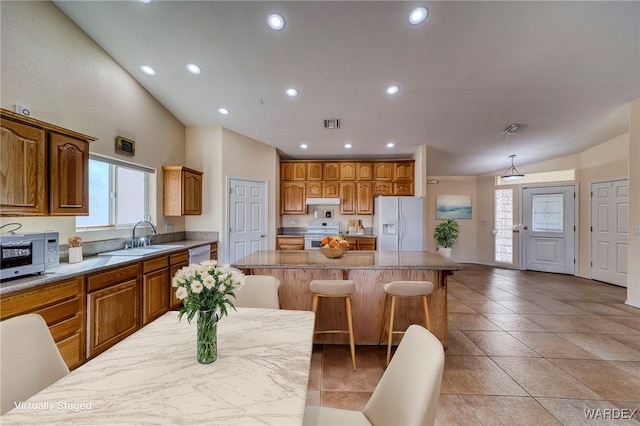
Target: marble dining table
[{"x": 152, "y": 377}]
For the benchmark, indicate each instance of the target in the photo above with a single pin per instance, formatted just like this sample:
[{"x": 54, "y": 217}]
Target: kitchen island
[{"x": 370, "y": 270}]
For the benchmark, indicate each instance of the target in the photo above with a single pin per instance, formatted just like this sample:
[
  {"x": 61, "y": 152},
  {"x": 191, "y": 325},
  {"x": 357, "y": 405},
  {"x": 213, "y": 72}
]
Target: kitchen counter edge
[{"x": 87, "y": 266}]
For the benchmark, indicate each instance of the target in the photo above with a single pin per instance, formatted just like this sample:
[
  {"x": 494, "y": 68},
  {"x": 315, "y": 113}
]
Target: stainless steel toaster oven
[{"x": 24, "y": 254}]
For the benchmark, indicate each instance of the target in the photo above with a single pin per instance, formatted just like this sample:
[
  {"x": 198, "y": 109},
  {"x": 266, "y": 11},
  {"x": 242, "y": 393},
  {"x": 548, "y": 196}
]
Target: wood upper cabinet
[
  {"x": 403, "y": 171},
  {"x": 314, "y": 189},
  {"x": 365, "y": 198},
  {"x": 382, "y": 188},
  {"x": 348, "y": 199},
  {"x": 182, "y": 191},
  {"x": 22, "y": 169},
  {"x": 44, "y": 169},
  {"x": 293, "y": 171},
  {"x": 113, "y": 306},
  {"x": 68, "y": 175},
  {"x": 314, "y": 171},
  {"x": 330, "y": 189},
  {"x": 61, "y": 305},
  {"x": 364, "y": 171},
  {"x": 348, "y": 171},
  {"x": 403, "y": 188},
  {"x": 383, "y": 171},
  {"x": 331, "y": 171},
  {"x": 292, "y": 198}
]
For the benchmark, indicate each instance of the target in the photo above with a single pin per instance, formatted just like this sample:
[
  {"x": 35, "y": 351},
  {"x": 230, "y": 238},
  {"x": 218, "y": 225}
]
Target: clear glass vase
[{"x": 207, "y": 336}]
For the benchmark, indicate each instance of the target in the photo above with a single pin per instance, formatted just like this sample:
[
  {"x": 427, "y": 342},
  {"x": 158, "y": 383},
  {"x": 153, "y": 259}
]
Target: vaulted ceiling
[{"x": 566, "y": 69}]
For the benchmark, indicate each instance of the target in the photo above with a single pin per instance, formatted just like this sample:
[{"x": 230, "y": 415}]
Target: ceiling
[{"x": 566, "y": 69}]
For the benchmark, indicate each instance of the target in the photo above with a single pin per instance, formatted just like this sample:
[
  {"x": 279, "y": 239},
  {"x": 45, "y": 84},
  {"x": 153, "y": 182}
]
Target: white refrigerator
[{"x": 398, "y": 222}]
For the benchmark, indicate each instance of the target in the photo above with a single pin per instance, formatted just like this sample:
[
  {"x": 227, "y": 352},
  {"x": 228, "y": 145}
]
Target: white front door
[
  {"x": 609, "y": 231},
  {"x": 248, "y": 218},
  {"x": 548, "y": 234}
]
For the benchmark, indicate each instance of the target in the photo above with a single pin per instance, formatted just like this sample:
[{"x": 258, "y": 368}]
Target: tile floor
[{"x": 525, "y": 348}]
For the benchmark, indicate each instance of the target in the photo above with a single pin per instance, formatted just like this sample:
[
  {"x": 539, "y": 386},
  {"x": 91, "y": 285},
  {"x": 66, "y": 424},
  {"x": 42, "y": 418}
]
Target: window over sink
[{"x": 119, "y": 194}]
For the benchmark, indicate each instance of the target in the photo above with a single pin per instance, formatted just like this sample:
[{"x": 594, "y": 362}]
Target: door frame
[
  {"x": 227, "y": 220},
  {"x": 576, "y": 220},
  {"x": 590, "y": 218}
]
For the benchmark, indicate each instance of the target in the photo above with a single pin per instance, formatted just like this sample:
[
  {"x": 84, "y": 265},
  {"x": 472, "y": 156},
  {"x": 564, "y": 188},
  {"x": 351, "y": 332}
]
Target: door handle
[
  {"x": 262, "y": 235},
  {"x": 525, "y": 227}
]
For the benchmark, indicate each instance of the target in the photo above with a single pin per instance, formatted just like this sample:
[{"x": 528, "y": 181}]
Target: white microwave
[{"x": 25, "y": 254}]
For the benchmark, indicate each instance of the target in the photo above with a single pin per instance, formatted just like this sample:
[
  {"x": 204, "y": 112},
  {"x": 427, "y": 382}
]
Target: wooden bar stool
[
  {"x": 335, "y": 288},
  {"x": 403, "y": 289}
]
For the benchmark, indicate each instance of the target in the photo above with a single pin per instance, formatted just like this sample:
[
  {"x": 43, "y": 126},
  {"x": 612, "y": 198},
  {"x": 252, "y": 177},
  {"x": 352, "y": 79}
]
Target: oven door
[{"x": 312, "y": 242}]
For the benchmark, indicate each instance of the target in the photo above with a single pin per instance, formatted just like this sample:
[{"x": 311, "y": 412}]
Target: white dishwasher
[{"x": 199, "y": 254}]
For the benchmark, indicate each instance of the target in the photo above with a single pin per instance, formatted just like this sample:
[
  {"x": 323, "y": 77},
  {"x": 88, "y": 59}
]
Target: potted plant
[{"x": 446, "y": 234}]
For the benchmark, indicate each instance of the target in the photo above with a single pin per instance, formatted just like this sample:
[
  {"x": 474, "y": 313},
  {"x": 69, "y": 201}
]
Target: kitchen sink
[{"x": 140, "y": 251}]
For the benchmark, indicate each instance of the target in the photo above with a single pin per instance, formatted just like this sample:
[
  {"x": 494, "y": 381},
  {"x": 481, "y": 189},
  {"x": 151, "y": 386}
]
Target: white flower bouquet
[{"x": 206, "y": 287}]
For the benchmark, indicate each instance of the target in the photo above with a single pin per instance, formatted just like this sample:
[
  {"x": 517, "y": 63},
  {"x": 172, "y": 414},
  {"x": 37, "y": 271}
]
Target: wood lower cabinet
[
  {"x": 155, "y": 288},
  {"x": 214, "y": 251},
  {"x": 361, "y": 243},
  {"x": 62, "y": 306},
  {"x": 178, "y": 261},
  {"x": 292, "y": 198},
  {"x": 113, "y": 307},
  {"x": 289, "y": 243},
  {"x": 182, "y": 191}
]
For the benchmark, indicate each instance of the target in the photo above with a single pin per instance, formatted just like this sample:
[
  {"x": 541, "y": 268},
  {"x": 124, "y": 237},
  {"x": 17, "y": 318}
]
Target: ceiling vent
[
  {"x": 513, "y": 129},
  {"x": 332, "y": 123}
]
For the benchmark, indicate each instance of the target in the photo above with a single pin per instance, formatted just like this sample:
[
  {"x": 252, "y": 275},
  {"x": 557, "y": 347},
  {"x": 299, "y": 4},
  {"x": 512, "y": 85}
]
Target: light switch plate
[{"x": 637, "y": 230}]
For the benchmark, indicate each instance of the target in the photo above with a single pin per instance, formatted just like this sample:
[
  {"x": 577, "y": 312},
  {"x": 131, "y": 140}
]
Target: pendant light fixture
[{"x": 512, "y": 174}]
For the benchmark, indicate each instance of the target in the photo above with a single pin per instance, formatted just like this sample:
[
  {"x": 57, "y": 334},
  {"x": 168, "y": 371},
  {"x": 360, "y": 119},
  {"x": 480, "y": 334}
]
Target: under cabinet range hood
[{"x": 323, "y": 201}]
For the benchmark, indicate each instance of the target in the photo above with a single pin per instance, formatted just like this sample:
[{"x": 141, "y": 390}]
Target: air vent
[
  {"x": 332, "y": 123},
  {"x": 514, "y": 128}
]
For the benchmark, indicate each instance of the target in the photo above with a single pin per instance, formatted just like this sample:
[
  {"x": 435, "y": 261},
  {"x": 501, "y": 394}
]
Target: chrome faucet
[{"x": 144, "y": 241}]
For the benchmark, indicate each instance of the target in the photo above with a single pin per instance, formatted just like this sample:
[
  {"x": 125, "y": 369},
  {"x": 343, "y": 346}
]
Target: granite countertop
[
  {"x": 313, "y": 259},
  {"x": 89, "y": 265}
]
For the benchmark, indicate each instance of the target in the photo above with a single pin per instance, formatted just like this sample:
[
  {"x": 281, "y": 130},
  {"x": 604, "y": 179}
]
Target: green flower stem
[{"x": 207, "y": 336}]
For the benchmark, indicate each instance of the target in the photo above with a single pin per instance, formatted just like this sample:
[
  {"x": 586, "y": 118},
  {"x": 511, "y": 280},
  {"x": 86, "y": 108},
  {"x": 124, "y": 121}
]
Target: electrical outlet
[
  {"x": 637, "y": 229},
  {"x": 23, "y": 110},
  {"x": 168, "y": 226}
]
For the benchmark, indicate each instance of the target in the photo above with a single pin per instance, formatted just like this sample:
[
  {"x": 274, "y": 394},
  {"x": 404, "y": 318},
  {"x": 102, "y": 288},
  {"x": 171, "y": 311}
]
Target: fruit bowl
[{"x": 334, "y": 252}]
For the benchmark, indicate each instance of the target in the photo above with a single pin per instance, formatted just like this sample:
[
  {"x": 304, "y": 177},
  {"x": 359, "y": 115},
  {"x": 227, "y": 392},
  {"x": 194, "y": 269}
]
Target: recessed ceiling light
[
  {"x": 418, "y": 15},
  {"x": 348, "y": 146},
  {"x": 276, "y": 22},
  {"x": 145, "y": 1},
  {"x": 392, "y": 90},
  {"x": 391, "y": 145},
  {"x": 223, "y": 111},
  {"x": 292, "y": 93},
  {"x": 148, "y": 70},
  {"x": 304, "y": 146},
  {"x": 194, "y": 69}
]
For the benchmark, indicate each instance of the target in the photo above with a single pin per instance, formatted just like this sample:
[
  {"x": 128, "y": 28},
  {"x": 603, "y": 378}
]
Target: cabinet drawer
[
  {"x": 105, "y": 279},
  {"x": 30, "y": 300},
  {"x": 60, "y": 311},
  {"x": 155, "y": 264},
  {"x": 65, "y": 328},
  {"x": 70, "y": 349},
  {"x": 183, "y": 256}
]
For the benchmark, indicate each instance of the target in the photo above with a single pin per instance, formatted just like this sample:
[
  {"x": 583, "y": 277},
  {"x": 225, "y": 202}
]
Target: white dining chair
[
  {"x": 408, "y": 392},
  {"x": 29, "y": 359},
  {"x": 258, "y": 291}
]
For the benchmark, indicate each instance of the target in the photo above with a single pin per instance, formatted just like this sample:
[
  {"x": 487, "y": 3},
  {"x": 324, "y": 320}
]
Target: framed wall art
[
  {"x": 125, "y": 146},
  {"x": 453, "y": 207}
]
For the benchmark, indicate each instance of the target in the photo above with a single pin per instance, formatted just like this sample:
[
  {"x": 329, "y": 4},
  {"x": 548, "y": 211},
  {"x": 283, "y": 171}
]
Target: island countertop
[{"x": 313, "y": 259}]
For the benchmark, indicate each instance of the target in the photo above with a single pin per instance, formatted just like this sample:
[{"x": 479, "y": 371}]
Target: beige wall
[
  {"x": 222, "y": 154},
  {"x": 50, "y": 65}
]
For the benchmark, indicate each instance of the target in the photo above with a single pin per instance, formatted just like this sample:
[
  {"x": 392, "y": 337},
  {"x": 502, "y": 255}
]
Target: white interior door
[
  {"x": 609, "y": 231},
  {"x": 248, "y": 218},
  {"x": 548, "y": 234}
]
